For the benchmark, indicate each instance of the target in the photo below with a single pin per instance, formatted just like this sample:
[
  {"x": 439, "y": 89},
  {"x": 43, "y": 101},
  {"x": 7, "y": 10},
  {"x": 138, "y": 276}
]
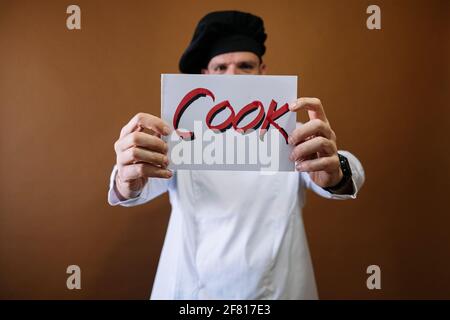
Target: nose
[{"x": 232, "y": 70}]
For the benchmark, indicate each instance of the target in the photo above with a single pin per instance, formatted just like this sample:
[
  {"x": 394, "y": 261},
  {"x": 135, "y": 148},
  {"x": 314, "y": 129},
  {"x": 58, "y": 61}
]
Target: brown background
[{"x": 64, "y": 96}]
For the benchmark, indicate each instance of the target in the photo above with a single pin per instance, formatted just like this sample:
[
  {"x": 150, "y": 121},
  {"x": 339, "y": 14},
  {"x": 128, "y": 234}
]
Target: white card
[{"x": 229, "y": 122}]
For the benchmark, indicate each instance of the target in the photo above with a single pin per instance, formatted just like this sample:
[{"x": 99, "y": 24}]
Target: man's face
[{"x": 235, "y": 63}]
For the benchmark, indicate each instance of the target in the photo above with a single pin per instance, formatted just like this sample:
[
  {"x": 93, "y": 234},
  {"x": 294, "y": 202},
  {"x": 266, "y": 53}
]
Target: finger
[
  {"x": 150, "y": 132},
  {"x": 148, "y": 121},
  {"x": 321, "y": 145},
  {"x": 315, "y": 127},
  {"x": 328, "y": 164},
  {"x": 136, "y": 154},
  {"x": 313, "y": 105},
  {"x": 143, "y": 170},
  {"x": 143, "y": 140}
]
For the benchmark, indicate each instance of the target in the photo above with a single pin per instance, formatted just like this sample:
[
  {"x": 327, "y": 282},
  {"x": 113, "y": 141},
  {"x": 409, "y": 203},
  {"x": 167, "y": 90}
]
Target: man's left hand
[{"x": 315, "y": 149}]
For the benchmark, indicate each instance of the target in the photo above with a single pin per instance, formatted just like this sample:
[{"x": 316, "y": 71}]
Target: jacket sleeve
[
  {"x": 358, "y": 178},
  {"x": 152, "y": 189}
]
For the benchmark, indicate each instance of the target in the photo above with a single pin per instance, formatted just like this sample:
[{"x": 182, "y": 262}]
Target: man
[{"x": 233, "y": 235}]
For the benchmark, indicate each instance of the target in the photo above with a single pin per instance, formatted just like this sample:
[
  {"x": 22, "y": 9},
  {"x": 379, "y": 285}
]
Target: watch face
[
  {"x": 346, "y": 171},
  {"x": 345, "y": 167}
]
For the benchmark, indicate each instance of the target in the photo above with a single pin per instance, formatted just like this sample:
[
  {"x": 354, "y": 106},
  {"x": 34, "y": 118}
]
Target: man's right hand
[{"x": 141, "y": 154}]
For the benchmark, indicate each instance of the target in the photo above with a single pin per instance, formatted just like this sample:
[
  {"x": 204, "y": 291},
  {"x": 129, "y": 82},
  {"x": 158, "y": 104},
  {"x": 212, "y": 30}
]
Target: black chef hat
[{"x": 222, "y": 32}]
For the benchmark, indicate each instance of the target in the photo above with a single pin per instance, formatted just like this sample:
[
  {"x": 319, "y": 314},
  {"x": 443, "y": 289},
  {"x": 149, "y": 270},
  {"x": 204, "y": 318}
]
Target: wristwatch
[{"x": 347, "y": 174}]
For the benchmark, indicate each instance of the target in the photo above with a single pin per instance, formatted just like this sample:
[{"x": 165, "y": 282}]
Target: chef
[{"x": 233, "y": 235}]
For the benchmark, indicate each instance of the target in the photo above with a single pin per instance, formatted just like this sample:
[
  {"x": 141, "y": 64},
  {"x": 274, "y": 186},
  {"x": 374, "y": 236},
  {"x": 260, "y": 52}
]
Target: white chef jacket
[{"x": 235, "y": 234}]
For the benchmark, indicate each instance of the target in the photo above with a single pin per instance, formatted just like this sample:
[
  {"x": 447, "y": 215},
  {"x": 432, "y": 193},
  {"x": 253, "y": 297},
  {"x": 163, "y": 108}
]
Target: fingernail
[
  {"x": 291, "y": 157},
  {"x": 292, "y": 105},
  {"x": 166, "y": 161},
  {"x": 299, "y": 167},
  {"x": 169, "y": 173},
  {"x": 290, "y": 140},
  {"x": 166, "y": 130}
]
